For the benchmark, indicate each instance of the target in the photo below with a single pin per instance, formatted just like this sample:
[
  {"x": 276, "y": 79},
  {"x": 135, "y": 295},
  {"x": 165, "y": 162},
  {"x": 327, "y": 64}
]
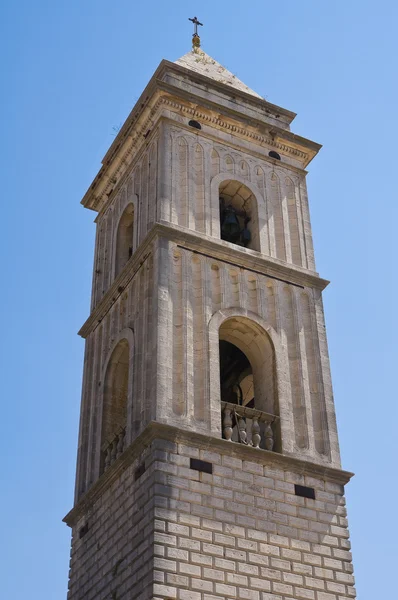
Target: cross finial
[{"x": 195, "y": 36}]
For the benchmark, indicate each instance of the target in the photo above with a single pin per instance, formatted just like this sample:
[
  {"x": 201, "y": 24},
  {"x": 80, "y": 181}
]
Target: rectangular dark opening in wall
[
  {"x": 139, "y": 471},
  {"x": 83, "y": 530},
  {"x": 201, "y": 465},
  {"x": 304, "y": 492}
]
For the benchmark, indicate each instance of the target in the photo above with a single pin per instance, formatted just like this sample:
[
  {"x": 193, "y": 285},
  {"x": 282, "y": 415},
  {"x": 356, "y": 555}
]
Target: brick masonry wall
[
  {"x": 238, "y": 533},
  {"x": 113, "y": 560},
  {"x": 241, "y": 532}
]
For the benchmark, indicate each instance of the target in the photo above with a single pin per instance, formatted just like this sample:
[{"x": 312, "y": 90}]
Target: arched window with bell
[
  {"x": 124, "y": 238},
  {"x": 238, "y": 215},
  {"x": 248, "y": 384}
]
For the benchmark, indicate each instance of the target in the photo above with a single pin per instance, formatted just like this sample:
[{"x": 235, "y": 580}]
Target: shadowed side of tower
[{"x": 208, "y": 462}]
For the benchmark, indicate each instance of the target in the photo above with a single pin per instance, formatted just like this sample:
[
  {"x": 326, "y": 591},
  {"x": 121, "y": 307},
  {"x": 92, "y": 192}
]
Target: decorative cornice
[
  {"x": 208, "y": 134},
  {"x": 260, "y": 139},
  {"x": 110, "y": 173},
  {"x": 256, "y": 152},
  {"x": 119, "y": 285},
  {"x": 150, "y": 139},
  {"x": 240, "y": 257},
  {"x": 160, "y": 94},
  {"x": 207, "y": 246},
  {"x": 229, "y": 91},
  {"x": 162, "y": 431}
]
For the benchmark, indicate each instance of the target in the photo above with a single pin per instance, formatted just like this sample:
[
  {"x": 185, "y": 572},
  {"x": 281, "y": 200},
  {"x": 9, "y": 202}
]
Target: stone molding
[
  {"x": 157, "y": 82},
  {"x": 118, "y": 286},
  {"x": 111, "y": 172},
  {"x": 160, "y": 94},
  {"x": 223, "y": 87},
  {"x": 237, "y": 130},
  {"x": 206, "y": 246},
  {"x": 162, "y": 431},
  {"x": 182, "y": 127}
]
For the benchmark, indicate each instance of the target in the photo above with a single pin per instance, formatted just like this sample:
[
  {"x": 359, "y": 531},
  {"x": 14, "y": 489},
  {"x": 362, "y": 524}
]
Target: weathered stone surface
[
  {"x": 200, "y": 62},
  {"x": 166, "y": 290},
  {"x": 148, "y": 538}
]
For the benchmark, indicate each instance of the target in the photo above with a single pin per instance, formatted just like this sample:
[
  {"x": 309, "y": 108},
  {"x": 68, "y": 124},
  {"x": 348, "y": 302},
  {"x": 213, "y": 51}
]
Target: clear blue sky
[{"x": 71, "y": 72}]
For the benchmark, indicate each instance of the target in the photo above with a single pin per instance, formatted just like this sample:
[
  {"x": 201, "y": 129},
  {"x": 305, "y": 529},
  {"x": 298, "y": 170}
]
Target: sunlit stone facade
[{"x": 191, "y": 486}]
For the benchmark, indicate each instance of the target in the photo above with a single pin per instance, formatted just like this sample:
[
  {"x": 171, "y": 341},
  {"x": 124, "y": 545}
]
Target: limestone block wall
[
  {"x": 114, "y": 558},
  {"x": 195, "y": 167},
  {"x": 139, "y": 188},
  {"x": 188, "y": 169},
  {"x": 159, "y": 529},
  {"x": 170, "y": 313},
  {"x": 202, "y": 294},
  {"x": 241, "y": 532},
  {"x": 130, "y": 317}
]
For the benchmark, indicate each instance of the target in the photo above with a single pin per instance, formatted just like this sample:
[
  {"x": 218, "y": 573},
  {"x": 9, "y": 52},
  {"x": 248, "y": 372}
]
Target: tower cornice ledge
[
  {"x": 207, "y": 246},
  {"x": 277, "y": 130},
  {"x": 161, "y": 80},
  {"x": 156, "y": 430},
  {"x": 240, "y": 256},
  {"x": 165, "y": 91}
]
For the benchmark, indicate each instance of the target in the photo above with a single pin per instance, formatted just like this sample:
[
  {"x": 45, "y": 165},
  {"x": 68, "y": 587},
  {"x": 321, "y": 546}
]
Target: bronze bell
[
  {"x": 230, "y": 228},
  {"x": 246, "y": 236}
]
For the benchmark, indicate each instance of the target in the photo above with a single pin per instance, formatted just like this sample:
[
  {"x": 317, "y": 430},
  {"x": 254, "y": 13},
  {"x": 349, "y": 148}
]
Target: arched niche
[
  {"x": 248, "y": 380},
  {"x": 260, "y": 344},
  {"x": 236, "y": 376},
  {"x": 115, "y": 403},
  {"x": 114, "y": 414},
  {"x": 238, "y": 209},
  {"x": 124, "y": 238},
  {"x": 256, "y": 347}
]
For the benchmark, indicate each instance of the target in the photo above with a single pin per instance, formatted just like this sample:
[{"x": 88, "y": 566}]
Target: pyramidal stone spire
[{"x": 200, "y": 62}]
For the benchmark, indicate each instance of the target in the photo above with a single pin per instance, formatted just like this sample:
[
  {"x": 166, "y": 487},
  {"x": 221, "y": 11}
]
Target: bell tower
[{"x": 208, "y": 462}]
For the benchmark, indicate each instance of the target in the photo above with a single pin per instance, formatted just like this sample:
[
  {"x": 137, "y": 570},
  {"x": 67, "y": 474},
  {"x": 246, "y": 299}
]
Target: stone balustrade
[
  {"x": 113, "y": 449},
  {"x": 247, "y": 426}
]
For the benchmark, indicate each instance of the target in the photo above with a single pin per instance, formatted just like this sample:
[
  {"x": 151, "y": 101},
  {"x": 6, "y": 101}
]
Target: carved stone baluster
[
  {"x": 256, "y": 437},
  {"x": 269, "y": 436},
  {"x": 242, "y": 430},
  {"x": 227, "y": 424},
  {"x": 120, "y": 443},
  {"x": 107, "y": 458},
  {"x": 114, "y": 449}
]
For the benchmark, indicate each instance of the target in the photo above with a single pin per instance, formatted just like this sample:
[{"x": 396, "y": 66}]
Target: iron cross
[{"x": 196, "y": 23}]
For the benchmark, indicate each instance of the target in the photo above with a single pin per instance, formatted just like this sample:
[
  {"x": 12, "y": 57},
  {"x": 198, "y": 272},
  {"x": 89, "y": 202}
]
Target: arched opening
[
  {"x": 238, "y": 215},
  {"x": 124, "y": 238},
  {"x": 114, "y": 410},
  {"x": 274, "y": 154},
  {"x": 194, "y": 124},
  {"x": 236, "y": 376},
  {"x": 248, "y": 384}
]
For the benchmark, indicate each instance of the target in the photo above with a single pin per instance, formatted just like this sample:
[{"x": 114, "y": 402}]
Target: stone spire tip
[{"x": 195, "y": 36}]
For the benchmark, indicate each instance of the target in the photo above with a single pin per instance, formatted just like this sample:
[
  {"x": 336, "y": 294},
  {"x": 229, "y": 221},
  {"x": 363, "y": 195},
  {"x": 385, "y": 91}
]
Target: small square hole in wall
[
  {"x": 139, "y": 471},
  {"x": 304, "y": 492},
  {"x": 201, "y": 465},
  {"x": 83, "y": 530}
]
